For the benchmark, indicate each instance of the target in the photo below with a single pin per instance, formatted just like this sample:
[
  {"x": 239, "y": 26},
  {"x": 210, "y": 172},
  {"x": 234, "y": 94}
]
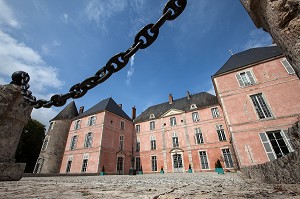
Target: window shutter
[
  {"x": 287, "y": 66},
  {"x": 251, "y": 78},
  {"x": 238, "y": 77},
  {"x": 267, "y": 146},
  {"x": 287, "y": 140}
]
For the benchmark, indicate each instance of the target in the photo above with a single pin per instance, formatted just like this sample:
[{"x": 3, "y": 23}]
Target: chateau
[{"x": 244, "y": 124}]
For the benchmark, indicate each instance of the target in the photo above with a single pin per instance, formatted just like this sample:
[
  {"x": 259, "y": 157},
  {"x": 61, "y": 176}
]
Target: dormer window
[
  {"x": 245, "y": 78},
  {"x": 193, "y": 106},
  {"x": 152, "y": 116}
]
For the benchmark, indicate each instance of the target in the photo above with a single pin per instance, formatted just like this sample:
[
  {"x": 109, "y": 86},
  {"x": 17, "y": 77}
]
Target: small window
[
  {"x": 69, "y": 164},
  {"x": 204, "y": 161},
  {"x": 227, "y": 158},
  {"x": 138, "y": 145},
  {"x": 121, "y": 146},
  {"x": 193, "y": 106},
  {"x": 45, "y": 143},
  {"x": 122, "y": 125},
  {"x": 175, "y": 141},
  {"x": 84, "y": 165},
  {"x": 199, "y": 136},
  {"x": 173, "y": 121},
  {"x": 138, "y": 164},
  {"x": 92, "y": 120},
  {"x": 152, "y": 116},
  {"x": 287, "y": 66},
  {"x": 215, "y": 112},
  {"x": 221, "y": 133},
  {"x": 195, "y": 116},
  {"x": 88, "y": 140},
  {"x": 138, "y": 128},
  {"x": 261, "y": 106},
  {"x": 51, "y": 125},
  {"x": 245, "y": 78},
  {"x": 77, "y": 124},
  {"x": 153, "y": 143},
  {"x": 73, "y": 142},
  {"x": 152, "y": 125}
]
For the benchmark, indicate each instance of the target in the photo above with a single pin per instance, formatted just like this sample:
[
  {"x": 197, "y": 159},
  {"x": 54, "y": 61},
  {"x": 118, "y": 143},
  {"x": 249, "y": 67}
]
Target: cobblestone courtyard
[{"x": 196, "y": 185}]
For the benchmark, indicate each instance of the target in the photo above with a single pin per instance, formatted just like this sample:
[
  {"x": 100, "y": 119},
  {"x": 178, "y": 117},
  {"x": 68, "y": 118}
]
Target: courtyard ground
[{"x": 156, "y": 186}]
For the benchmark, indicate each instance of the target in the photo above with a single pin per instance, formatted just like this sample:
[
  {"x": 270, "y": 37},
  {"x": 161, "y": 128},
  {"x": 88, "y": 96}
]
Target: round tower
[{"x": 53, "y": 147}]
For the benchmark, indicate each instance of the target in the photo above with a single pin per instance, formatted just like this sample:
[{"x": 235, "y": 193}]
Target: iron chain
[{"x": 143, "y": 39}]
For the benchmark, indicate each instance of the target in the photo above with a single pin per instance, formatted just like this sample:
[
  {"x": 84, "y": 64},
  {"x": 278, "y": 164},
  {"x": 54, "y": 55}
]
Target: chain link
[{"x": 143, "y": 39}]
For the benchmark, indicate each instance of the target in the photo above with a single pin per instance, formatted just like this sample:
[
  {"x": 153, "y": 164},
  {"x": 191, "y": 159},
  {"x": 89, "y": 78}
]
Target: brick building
[{"x": 244, "y": 124}]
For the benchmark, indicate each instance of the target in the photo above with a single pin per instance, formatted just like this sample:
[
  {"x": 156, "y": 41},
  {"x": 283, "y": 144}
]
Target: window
[
  {"x": 122, "y": 124},
  {"x": 73, "y": 142},
  {"x": 193, "y": 106},
  {"x": 173, "y": 121},
  {"x": 175, "y": 140},
  {"x": 45, "y": 143},
  {"x": 245, "y": 78},
  {"x": 92, "y": 120},
  {"x": 38, "y": 165},
  {"x": 177, "y": 161},
  {"x": 138, "y": 128},
  {"x": 69, "y": 164},
  {"x": 227, "y": 158},
  {"x": 221, "y": 133},
  {"x": 195, "y": 117},
  {"x": 120, "y": 163},
  {"x": 154, "y": 163},
  {"x": 138, "y": 164},
  {"x": 153, "y": 143},
  {"x": 51, "y": 125},
  {"x": 152, "y": 125},
  {"x": 203, "y": 159},
  {"x": 199, "y": 137},
  {"x": 84, "y": 164},
  {"x": 121, "y": 146},
  {"x": 152, "y": 116},
  {"x": 215, "y": 112},
  {"x": 287, "y": 66},
  {"x": 138, "y": 145},
  {"x": 77, "y": 124},
  {"x": 88, "y": 140},
  {"x": 260, "y": 106}
]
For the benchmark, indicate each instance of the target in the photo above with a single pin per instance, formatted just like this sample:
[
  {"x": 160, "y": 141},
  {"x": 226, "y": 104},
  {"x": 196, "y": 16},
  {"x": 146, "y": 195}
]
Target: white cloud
[
  {"x": 130, "y": 71},
  {"x": 101, "y": 11},
  {"x": 43, "y": 115},
  {"x": 258, "y": 38},
  {"x": 66, "y": 18},
  {"x": 7, "y": 16},
  {"x": 48, "y": 49}
]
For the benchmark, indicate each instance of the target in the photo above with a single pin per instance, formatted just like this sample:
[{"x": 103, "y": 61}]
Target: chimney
[
  {"x": 120, "y": 105},
  {"x": 170, "y": 99},
  {"x": 133, "y": 113},
  {"x": 81, "y": 109},
  {"x": 188, "y": 95}
]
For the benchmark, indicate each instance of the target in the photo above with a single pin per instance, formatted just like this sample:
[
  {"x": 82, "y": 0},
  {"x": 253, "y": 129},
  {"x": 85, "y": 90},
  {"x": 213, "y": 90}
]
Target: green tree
[{"x": 30, "y": 144}]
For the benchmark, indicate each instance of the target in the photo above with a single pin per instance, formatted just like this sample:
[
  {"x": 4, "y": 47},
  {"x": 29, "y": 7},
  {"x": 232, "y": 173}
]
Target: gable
[{"x": 172, "y": 112}]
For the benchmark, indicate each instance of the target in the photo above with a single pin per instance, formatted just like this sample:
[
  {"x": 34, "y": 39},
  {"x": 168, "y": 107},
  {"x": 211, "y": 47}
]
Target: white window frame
[
  {"x": 77, "y": 124},
  {"x": 51, "y": 125},
  {"x": 88, "y": 139},
  {"x": 45, "y": 143},
  {"x": 247, "y": 80},
  {"x": 226, "y": 166},
  {"x": 215, "y": 112},
  {"x": 175, "y": 140},
  {"x": 73, "y": 142},
  {"x": 85, "y": 166},
  {"x": 152, "y": 116},
  {"x": 153, "y": 143},
  {"x": 122, "y": 125},
  {"x": 121, "y": 142},
  {"x": 263, "y": 110},
  {"x": 152, "y": 125},
  {"x": 207, "y": 159},
  {"x": 92, "y": 120},
  {"x": 195, "y": 117},
  {"x": 289, "y": 69},
  {"x": 138, "y": 128},
  {"x": 193, "y": 106},
  {"x": 68, "y": 167},
  {"x": 198, "y": 132},
  {"x": 153, "y": 160},
  {"x": 221, "y": 132},
  {"x": 173, "y": 121}
]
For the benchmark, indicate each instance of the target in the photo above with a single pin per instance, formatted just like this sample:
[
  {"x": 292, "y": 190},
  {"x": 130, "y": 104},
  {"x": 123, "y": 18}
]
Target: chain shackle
[
  {"x": 143, "y": 39},
  {"x": 176, "y": 7}
]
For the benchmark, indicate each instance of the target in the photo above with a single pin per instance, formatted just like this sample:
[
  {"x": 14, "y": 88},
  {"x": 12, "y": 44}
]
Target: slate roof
[
  {"x": 201, "y": 100},
  {"x": 105, "y": 105},
  {"x": 69, "y": 112},
  {"x": 248, "y": 57}
]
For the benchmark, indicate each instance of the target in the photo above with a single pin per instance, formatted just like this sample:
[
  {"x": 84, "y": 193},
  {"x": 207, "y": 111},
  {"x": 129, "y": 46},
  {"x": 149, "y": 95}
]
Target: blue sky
[{"x": 61, "y": 43}]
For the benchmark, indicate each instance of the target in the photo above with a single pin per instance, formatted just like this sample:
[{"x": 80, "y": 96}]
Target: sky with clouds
[{"x": 61, "y": 43}]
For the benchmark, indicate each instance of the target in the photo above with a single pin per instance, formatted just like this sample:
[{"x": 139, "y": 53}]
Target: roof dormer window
[
  {"x": 152, "y": 116},
  {"x": 193, "y": 106}
]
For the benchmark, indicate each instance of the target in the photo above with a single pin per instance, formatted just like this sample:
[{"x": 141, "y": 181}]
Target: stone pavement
[{"x": 156, "y": 186}]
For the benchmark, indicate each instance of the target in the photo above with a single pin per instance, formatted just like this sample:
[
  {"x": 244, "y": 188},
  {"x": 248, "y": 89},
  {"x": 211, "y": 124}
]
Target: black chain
[{"x": 144, "y": 38}]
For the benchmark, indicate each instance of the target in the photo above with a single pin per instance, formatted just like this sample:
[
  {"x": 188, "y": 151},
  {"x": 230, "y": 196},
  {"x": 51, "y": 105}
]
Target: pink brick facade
[{"x": 278, "y": 89}]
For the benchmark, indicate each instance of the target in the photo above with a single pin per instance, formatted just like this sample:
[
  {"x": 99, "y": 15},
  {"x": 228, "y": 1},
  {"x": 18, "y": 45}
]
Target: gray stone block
[{"x": 11, "y": 171}]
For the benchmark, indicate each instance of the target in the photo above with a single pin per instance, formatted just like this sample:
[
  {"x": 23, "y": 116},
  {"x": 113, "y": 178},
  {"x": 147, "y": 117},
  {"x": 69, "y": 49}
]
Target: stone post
[
  {"x": 14, "y": 115},
  {"x": 281, "y": 18}
]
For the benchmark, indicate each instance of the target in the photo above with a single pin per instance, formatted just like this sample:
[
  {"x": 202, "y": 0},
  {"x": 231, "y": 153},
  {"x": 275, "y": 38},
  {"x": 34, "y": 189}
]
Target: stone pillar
[
  {"x": 14, "y": 115},
  {"x": 281, "y": 18}
]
